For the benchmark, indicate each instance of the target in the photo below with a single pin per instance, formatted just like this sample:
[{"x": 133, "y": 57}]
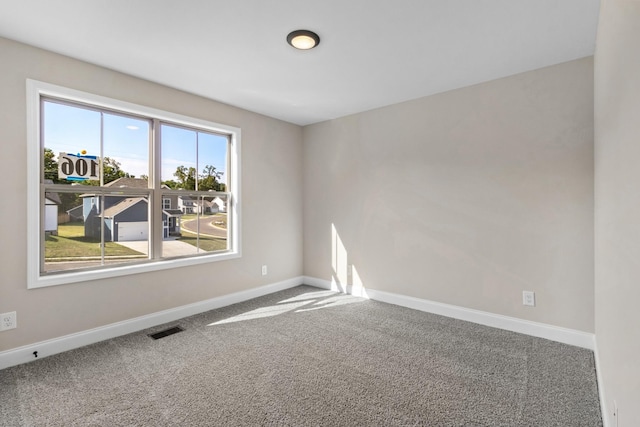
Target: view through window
[{"x": 120, "y": 189}]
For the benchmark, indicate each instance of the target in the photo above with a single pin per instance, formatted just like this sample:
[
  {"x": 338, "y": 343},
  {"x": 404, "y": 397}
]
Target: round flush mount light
[{"x": 303, "y": 39}]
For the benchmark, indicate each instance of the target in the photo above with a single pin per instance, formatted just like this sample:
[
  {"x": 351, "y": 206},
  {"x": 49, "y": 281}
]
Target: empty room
[{"x": 349, "y": 213}]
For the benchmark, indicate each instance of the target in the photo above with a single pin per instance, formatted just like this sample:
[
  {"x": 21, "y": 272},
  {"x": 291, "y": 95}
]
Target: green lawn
[
  {"x": 70, "y": 243},
  {"x": 209, "y": 244}
]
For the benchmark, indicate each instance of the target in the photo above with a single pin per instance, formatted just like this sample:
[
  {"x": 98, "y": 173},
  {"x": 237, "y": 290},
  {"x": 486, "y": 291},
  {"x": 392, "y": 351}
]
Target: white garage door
[{"x": 132, "y": 231}]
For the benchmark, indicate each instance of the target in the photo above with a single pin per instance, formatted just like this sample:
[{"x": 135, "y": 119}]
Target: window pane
[
  {"x": 126, "y": 150},
  {"x": 76, "y": 130},
  {"x": 198, "y": 226},
  {"x": 190, "y": 157},
  {"x": 67, "y": 129},
  {"x": 178, "y": 162},
  {"x": 74, "y": 223},
  {"x": 212, "y": 161}
]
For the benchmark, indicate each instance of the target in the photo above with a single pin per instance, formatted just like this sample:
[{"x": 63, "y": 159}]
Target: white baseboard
[
  {"x": 24, "y": 354},
  {"x": 536, "y": 329}
]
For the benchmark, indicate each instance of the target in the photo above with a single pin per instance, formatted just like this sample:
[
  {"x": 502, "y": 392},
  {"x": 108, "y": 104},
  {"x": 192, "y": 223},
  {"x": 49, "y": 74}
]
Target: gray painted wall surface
[
  {"x": 617, "y": 207},
  {"x": 468, "y": 197}
]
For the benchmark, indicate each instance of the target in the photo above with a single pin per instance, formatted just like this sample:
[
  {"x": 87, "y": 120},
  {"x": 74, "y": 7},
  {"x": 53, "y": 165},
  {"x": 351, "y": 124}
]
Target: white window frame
[
  {"x": 37, "y": 89},
  {"x": 166, "y": 199}
]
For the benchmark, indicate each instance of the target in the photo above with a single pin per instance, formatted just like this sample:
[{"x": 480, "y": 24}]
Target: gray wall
[
  {"x": 468, "y": 197},
  {"x": 272, "y": 206},
  {"x": 617, "y": 207}
]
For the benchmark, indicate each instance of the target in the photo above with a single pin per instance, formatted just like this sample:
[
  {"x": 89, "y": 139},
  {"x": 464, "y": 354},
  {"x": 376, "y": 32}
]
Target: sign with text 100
[{"x": 78, "y": 167}]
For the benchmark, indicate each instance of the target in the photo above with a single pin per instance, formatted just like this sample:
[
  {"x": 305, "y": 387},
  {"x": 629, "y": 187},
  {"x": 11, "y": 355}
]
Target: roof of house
[
  {"x": 208, "y": 200},
  {"x": 172, "y": 212},
  {"x": 128, "y": 182},
  {"x": 124, "y": 182},
  {"x": 122, "y": 205},
  {"x": 206, "y": 203},
  {"x": 54, "y": 197},
  {"x": 125, "y": 204},
  {"x": 77, "y": 208}
]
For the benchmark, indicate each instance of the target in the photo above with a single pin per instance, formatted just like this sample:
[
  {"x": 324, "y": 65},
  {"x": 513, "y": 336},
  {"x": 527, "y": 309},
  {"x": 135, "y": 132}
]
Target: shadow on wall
[{"x": 345, "y": 277}]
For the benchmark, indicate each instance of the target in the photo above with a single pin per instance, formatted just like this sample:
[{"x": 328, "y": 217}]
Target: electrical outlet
[
  {"x": 529, "y": 298},
  {"x": 8, "y": 321},
  {"x": 264, "y": 270}
]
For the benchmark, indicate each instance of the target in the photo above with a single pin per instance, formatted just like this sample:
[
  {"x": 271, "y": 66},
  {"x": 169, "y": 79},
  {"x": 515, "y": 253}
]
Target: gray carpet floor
[{"x": 309, "y": 357}]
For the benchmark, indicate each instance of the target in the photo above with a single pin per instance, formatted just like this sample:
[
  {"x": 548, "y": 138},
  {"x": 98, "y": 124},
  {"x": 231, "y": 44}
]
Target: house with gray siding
[{"x": 125, "y": 218}]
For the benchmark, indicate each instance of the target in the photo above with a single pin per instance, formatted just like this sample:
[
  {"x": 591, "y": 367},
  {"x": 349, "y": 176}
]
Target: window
[{"x": 117, "y": 188}]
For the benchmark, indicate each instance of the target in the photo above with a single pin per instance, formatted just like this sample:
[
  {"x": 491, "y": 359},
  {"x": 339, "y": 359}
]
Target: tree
[
  {"x": 171, "y": 184},
  {"x": 210, "y": 179},
  {"x": 111, "y": 170},
  {"x": 50, "y": 166},
  {"x": 186, "y": 177}
]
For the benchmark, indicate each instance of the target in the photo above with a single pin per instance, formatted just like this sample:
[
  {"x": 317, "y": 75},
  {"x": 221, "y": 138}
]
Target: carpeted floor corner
[{"x": 309, "y": 357}]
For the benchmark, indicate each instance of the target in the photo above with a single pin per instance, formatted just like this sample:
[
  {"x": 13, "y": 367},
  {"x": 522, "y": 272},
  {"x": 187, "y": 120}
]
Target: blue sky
[{"x": 126, "y": 139}]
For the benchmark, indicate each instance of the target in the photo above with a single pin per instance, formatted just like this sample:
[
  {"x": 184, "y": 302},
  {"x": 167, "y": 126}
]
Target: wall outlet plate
[
  {"x": 264, "y": 270},
  {"x": 529, "y": 298},
  {"x": 8, "y": 321}
]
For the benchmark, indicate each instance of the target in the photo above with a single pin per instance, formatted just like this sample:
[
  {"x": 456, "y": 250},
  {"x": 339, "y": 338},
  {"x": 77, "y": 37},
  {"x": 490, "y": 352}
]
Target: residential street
[{"x": 206, "y": 227}]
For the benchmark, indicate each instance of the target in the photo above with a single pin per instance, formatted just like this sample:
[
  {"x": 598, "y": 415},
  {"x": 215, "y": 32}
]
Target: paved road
[{"x": 206, "y": 227}]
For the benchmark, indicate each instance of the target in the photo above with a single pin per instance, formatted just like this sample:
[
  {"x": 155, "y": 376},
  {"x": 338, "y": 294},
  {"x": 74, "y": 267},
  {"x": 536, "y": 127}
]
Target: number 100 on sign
[{"x": 76, "y": 167}]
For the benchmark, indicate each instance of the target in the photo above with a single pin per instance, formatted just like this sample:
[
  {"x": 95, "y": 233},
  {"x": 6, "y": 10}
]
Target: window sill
[{"x": 126, "y": 270}]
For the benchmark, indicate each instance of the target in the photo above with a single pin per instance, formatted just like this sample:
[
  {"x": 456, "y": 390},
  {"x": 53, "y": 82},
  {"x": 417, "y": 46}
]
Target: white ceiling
[{"x": 372, "y": 52}]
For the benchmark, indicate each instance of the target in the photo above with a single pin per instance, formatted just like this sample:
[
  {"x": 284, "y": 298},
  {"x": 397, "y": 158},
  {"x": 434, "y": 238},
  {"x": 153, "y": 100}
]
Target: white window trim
[{"x": 36, "y": 89}]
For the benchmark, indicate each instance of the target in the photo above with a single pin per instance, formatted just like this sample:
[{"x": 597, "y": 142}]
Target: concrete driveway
[{"x": 170, "y": 248}]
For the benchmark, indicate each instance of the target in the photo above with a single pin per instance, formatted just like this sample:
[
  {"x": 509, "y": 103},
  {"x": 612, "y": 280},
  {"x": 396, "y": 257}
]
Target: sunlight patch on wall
[
  {"x": 357, "y": 287},
  {"x": 345, "y": 277},
  {"x": 339, "y": 262}
]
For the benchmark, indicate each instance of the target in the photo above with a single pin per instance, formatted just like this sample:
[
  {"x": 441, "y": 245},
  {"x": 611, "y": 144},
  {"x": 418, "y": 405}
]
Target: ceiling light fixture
[{"x": 303, "y": 39}]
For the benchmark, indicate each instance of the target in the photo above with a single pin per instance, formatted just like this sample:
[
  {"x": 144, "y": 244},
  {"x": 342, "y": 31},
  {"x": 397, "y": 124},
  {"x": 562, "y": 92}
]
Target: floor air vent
[{"x": 166, "y": 332}]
